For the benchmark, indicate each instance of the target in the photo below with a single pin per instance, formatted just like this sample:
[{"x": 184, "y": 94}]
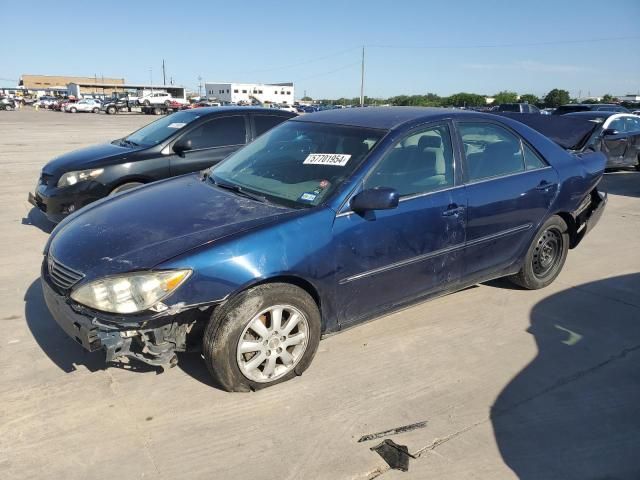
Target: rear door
[
  {"x": 212, "y": 141},
  {"x": 615, "y": 146},
  {"x": 509, "y": 191}
]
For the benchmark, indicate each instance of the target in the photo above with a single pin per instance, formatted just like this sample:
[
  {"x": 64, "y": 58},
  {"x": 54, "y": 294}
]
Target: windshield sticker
[
  {"x": 176, "y": 125},
  {"x": 308, "y": 197},
  {"x": 335, "y": 159}
]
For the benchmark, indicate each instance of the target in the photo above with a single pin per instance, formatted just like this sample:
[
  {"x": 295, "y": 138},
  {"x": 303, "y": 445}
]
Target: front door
[
  {"x": 615, "y": 146},
  {"x": 509, "y": 191},
  {"x": 211, "y": 141},
  {"x": 388, "y": 257}
]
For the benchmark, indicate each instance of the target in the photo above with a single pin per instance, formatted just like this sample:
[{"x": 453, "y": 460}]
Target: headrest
[{"x": 429, "y": 141}]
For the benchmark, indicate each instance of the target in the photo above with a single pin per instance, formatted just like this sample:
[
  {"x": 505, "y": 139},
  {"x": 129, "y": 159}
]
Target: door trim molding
[{"x": 435, "y": 253}]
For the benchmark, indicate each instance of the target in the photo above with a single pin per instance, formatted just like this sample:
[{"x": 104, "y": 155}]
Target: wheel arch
[{"x": 571, "y": 224}]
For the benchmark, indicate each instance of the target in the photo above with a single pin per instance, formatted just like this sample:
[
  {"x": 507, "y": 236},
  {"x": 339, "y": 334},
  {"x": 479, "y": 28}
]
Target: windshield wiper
[{"x": 239, "y": 190}]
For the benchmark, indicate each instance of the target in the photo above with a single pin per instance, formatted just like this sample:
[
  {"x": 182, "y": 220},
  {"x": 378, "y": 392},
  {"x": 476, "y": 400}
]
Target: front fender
[{"x": 298, "y": 248}]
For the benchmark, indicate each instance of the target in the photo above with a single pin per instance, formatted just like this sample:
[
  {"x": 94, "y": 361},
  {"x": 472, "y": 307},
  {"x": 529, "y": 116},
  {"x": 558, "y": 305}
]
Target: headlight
[
  {"x": 71, "y": 178},
  {"x": 130, "y": 293}
]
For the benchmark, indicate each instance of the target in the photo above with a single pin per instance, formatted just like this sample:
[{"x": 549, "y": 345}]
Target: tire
[
  {"x": 111, "y": 110},
  {"x": 231, "y": 325},
  {"x": 73, "y": 110},
  {"x": 157, "y": 111},
  {"x": 545, "y": 257},
  {"x": 167, "y": 103},
  {"x": 8, "y": 108},
  {"x": 125, "y": 186},
  {"x": 146, "y": 103},
  {"x": 96, "y": 110}
]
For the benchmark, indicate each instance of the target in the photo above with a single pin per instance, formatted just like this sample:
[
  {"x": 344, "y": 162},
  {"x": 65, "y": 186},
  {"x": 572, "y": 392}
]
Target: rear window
[
  {"x": 509, "y": 107},
  {"x": 571, "y": 108}
]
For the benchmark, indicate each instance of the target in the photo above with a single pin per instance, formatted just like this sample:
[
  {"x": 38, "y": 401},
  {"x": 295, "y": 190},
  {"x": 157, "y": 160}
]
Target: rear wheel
[
  {"x": 125, "y": 186},
  {"x": 263, "y": 336},
  {"x": 96, "y": 110},
  {"x": 545, "y": 257},
  {"x": 111, "y": 110},
  {"x": 73, "y": 110},
  {"x": 147, "y": 103}
]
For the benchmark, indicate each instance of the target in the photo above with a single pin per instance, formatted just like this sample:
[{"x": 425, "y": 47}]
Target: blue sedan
[{"x": 321, "y": 223}]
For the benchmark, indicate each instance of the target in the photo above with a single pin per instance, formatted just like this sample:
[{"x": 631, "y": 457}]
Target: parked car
[
  {"x": 60, "y": 104},
  {"x": 7, "y": 104},
  {"x": 179, "y": 143},
  {"x": 517, "y": 108},
  {"x": 84, "y": 105},
  {"x": 325, "y": 221},
  {"x": 617, "y": 135},
  {"x": 160, "y": 98},
  {"x": 588, "y": 107},
  {"x": 46, "y": 101},
  {"x": 288, "y": 108}
]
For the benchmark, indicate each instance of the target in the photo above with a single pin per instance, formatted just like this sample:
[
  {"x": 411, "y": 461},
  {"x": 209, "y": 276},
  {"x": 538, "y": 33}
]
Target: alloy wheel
[{"x": 272, "y": 343}]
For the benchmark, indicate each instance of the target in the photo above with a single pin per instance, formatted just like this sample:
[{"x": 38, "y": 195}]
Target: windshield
[
  {"x": 298, "y": 163},
  {"x": 160, "y": 130}
]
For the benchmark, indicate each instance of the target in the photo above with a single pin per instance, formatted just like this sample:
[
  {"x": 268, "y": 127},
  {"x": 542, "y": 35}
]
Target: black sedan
[
  {"x": 617, "y": 135},
  {"x": 186, "y": 141}
]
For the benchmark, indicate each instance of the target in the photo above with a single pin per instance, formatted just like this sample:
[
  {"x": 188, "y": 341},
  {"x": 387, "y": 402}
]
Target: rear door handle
[
  {"x": 544, "y": 185},
  {"x": 453, "y": 211}
]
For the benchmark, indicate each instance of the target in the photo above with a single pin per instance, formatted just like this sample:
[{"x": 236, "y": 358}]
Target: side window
[
  {"x": 421, "y": 162},
  {"x": 531, "y": 159},
  {"x": 262, "y": 123},
  {"x": 218, "y": 132},
  {"x": 633, "y": 124},
  {"x": 617, "y": 124},
  {"x": 490, "y": 151}
]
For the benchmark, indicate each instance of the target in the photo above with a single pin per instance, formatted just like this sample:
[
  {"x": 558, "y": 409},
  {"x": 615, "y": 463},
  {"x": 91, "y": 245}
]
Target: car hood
[
  {"x": 88, "y": 157},
  {"x": 141, "y": 228}
]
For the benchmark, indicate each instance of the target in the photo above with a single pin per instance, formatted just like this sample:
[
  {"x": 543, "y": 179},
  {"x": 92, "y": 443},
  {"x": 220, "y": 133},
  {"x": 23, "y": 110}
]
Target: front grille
[{"x": 61, "y": 275}]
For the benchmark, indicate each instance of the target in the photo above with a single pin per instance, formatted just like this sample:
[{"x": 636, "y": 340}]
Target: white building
[{"x": 281, "y": 93}]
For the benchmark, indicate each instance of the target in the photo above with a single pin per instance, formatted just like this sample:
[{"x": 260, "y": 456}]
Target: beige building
[{"x": 88, "y": 85}]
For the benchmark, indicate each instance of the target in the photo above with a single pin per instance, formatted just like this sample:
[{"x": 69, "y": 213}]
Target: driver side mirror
[
  {"x": 382, "y": 198},
  {"x": 182, "y": 145},
  {"x": 608, "y": 132}
]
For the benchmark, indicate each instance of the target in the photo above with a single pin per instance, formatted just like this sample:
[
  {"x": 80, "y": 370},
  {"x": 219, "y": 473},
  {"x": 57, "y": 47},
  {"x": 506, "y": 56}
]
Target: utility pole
[
  {"x": 362, "y": 80},
  {"x": 199, "y": 86},
  {"x": 164, "y": 77},
  {"x": 151, "y": 78}
]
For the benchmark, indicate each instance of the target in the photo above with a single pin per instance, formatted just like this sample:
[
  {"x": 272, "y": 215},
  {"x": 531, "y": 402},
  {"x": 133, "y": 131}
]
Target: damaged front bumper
[{"x": 154, "y": 341}]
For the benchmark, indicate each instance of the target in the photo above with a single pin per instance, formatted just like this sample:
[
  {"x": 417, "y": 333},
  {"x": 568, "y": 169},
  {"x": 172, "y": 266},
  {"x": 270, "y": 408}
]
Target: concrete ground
[{"x": 511, "y": 383}]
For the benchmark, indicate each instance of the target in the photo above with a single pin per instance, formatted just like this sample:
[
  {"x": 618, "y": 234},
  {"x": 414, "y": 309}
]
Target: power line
[
  {"x": 305, "y": 62},
  {"x": 344, "y": 67},
  {"x": 507, "y": 45}
]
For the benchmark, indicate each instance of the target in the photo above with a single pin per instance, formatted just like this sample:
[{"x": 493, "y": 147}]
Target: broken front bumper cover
[{"x": 154, "y": 343}]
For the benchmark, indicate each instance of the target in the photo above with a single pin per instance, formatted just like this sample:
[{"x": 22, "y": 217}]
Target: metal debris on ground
[
  {"x": 393, "y": 431},
  {"x": 396, "y": 456}
]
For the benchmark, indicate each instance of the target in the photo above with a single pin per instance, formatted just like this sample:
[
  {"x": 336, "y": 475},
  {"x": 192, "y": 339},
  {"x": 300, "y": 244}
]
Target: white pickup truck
[{"x": 159, "y": 98}]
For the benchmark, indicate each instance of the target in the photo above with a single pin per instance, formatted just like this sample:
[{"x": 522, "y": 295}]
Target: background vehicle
[
  {"x": 160, "y": 98},
  {"x": 517, "y": 108},
  {"x": 586, "y": 107},
  {"x": 84, "y": 105},
  {"x": 7, "y": 103},
  {"x": 273, "y": 246},
  {"x": 115, "y": 104},
  {"x": 617, "y": 135},
  {"x": 288, "y": 108},
  {"x": 46, "y": 101},
  {"x": 180, "y": 143}
]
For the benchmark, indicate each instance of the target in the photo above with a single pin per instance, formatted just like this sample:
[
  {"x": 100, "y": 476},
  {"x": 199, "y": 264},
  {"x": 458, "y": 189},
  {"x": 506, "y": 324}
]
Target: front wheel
[
  {"x": 96, "y": 110},
  {"x": 263, "y": 336},
  {"x": 146, "y": 103},
  {"x": 545, "y": 257},
  {"x": 74, "y": 110},
  {"x": 111, "y": 110}
]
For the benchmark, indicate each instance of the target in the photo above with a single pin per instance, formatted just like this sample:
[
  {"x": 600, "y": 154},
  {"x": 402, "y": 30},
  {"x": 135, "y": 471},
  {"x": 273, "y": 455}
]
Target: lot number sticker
[{"x": 335, "y": 159}]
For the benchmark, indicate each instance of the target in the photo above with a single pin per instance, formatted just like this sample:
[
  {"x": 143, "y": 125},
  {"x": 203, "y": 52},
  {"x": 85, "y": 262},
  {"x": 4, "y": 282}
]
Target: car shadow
[
  {"x": 37, "y": 219},
  {"x": 58, "y": 346},
  {"x": 572, "y": 413},
  {"x": 621, "y": 182}
]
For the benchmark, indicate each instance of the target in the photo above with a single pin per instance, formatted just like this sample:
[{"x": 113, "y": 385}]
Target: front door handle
[{"x": 453, "y": 210}]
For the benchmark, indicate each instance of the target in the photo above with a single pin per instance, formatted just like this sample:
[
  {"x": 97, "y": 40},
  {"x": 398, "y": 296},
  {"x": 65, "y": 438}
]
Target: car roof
[
  {"x": 384, "y": 118},
  {"x": 233, "y": 109},
  {"x": 591, "y": 114}
]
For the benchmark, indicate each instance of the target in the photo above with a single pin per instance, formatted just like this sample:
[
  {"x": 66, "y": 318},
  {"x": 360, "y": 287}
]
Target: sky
[{"x": 588, "y": 47}]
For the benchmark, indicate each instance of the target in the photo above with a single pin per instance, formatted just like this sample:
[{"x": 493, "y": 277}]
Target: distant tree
[
  {"x": 505, "y": 97},
  {"x": 306, "y": 98},
  {"x": 464, "y": 99},
  {"x": 608, "y": 98},
  {"x": 556, "y": 97},
  {"x": 589, "y": 100},
  {"x": 529, "y": 98}
]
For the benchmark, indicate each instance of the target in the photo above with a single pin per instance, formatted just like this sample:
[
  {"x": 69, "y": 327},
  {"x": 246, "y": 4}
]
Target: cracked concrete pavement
[{"x": 512, "y": 383}]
